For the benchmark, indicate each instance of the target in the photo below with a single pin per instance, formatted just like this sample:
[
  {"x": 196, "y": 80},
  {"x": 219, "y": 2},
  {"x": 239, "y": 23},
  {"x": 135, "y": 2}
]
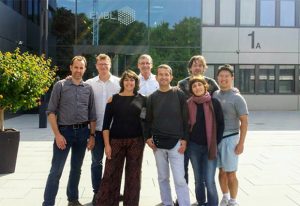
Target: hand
[
  {"x": 60, "y": 142},
  {"x": 239, "y": 149},
  {"x": 151, "y": 144},
  {"x": 69, "y": 77},
  {"x": 91, "y": 143},
  {"x": 182, "y": 147},
  {"x": 107, "y": 150}
]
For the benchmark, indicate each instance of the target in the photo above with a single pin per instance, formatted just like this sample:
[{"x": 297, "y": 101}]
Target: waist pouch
[{"x": 164, "y": 141}]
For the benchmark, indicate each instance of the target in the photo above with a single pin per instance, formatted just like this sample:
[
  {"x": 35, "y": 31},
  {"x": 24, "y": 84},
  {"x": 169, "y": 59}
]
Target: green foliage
[
  {"x": 24, "y": 78},
  {"x": 175, "y": 45}
]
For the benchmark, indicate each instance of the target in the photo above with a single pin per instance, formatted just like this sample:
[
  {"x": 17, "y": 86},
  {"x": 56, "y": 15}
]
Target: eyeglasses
[
  {"x": 197, "y": 65},
  {"x": 145, "y": 63}
]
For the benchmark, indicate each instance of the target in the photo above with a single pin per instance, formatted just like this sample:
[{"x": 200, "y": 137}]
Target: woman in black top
[
  {"x": 122, "y": 133},
  {"x": 206, "y": 130}
]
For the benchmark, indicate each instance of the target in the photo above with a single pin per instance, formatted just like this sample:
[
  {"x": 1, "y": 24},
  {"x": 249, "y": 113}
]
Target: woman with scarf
[{"x": 206, "y": 130}]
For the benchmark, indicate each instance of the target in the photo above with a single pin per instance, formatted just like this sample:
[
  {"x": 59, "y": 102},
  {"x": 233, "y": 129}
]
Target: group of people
[{"x": 197, "y": 121}]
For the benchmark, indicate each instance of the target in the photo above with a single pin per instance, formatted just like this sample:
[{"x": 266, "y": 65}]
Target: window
[
  {"x": 286, "y": 79},
  {"x": 208, "y": 12},
  {"x": 267, "y": 13},
  {"x": 287, "y": 13},
  {"x": 266, "y": 77},
  {"x": 247, "y": 13},
  {"x": 247, "y": 78},
  {"x": 30, "y": 9},
  {"x": 227, "y": 12}
]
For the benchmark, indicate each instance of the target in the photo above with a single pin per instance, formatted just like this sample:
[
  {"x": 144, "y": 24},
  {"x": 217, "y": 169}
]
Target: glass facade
[
  {"x": 246, "y": 80},
  {"x": 286, "y": 79},
  {"x": 168, "y": 30}
]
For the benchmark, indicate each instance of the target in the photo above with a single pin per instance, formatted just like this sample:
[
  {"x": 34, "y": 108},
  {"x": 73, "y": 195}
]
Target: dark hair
[
  {"x": 130, "y": 74},
  {"x": 79, "y": 58},
  {"x": 196, "y": 58},
  {"x": 165, "y": 66},
  {"x": 226, "y": 67},
  {"x": 197, "y": 79}
]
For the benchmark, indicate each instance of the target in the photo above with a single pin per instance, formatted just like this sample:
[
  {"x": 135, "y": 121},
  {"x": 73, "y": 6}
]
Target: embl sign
[{"x": 125, "y": 15}]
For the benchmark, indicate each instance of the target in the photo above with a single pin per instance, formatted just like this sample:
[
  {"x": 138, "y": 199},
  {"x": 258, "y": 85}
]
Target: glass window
[
  {"x": 267, "y": 13},
  {"x": 266, "y": 77},
  {"x": 287, "y": 13},
  {"x": 286, "y": 79},
  {"x": 10, "y": 3},
  {"x": 247, "y": 78},
  {"x": 227, "y": 12},
  {"x": 247, "y": 13},
  {"x": 36, "y": 11},
  {"x": 30, "y": 9},
  {"x": 208, "y": 12}
]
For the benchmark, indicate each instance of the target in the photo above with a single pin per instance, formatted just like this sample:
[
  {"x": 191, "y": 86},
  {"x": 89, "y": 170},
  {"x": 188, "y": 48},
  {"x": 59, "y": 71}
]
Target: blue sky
[{"x": 172, "y": 11}]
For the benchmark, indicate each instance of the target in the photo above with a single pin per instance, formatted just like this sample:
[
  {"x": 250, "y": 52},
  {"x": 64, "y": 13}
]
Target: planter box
[{"x": 9, "y": 144}]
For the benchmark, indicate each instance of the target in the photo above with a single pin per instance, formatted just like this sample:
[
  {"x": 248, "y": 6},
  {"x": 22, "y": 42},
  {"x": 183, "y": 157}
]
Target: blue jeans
[
  {"x": 204, "y": 173},
  {"x": 163, "y": 158},
  {"x": 77, "y": 140},
  {"x": 97, "y": 165}
]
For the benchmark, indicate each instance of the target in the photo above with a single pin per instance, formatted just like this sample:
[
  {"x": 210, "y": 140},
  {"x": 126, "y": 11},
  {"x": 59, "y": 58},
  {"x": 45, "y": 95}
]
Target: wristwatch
[{"x": 92, "y": 134}]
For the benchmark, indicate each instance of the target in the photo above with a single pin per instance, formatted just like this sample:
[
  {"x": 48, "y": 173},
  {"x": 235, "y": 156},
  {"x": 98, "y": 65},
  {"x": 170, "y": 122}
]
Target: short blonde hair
[
  {"x": 79, "y": 58},
  {"x": 103, "y": 57}
]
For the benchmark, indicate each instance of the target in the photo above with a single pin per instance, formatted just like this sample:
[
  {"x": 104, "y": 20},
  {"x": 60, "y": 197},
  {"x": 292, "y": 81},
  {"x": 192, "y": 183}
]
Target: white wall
[
  {"x": 272, "y": 102},
  {"x": 234, "y": 45}
]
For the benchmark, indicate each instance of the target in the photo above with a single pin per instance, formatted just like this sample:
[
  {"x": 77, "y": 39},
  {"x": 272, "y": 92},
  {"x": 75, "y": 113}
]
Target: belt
[
  {"x": 75, "y": 126},
  {"x": 229, "y": 135}
]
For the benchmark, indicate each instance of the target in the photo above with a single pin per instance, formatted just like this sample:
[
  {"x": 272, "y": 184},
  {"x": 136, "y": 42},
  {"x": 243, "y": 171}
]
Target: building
[{"x": 260, "y": 38}]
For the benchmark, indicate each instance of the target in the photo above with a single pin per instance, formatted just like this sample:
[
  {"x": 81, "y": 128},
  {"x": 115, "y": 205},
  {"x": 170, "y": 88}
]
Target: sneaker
[
  {"x": 224, "y": 202},
  {"x": 121, "y": 198},
  {"x": 233, "y": 204},
  {"x": 74, "y": 203}
]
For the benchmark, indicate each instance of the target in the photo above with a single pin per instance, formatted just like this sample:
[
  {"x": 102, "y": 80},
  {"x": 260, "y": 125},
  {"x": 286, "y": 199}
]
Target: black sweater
[
  {"x": 198, "y": 134},
  {"x": 167, "y": 114},
  {"x": 122, "y": 116}
]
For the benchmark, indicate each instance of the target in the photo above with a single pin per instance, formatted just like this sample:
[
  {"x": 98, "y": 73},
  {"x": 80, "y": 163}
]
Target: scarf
[{"x": 210, "y": 121}]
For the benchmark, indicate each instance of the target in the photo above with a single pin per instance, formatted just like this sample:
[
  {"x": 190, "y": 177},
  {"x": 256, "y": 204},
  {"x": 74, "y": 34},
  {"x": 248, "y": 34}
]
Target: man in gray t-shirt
[{"x": 236, "y": 122}]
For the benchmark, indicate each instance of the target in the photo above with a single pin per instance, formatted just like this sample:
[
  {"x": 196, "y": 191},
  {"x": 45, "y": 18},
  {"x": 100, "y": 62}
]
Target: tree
[
  {"x": 175, "y": 45},
  {"x": 24, "y": 78}
]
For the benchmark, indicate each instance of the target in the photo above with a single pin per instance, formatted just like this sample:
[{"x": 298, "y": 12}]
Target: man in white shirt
[
  {"x": 148, "y": 83},
  {"x": 104, "y": 86}
]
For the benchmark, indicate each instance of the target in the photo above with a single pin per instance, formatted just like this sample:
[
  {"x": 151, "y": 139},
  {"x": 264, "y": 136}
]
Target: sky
[{"x": 172, "y": 11}]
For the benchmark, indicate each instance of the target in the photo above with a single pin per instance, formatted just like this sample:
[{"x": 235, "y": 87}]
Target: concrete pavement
[{"x": 269, "y": 168}]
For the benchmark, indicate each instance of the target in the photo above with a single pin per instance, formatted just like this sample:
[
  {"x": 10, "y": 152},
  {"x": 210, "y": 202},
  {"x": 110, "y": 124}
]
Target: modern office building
[{"x": 260, "y": 38}]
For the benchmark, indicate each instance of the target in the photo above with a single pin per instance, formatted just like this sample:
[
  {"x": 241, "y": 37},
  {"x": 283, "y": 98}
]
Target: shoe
[
  {"x": 176, "y": 203},
  {"x": 121, "y": 198},
  {"x": 74, "y": 203},
  {"x": 233, "y": 204},
  {"x": 224, "y": 202},
  {"x": 94, "y": 200}
]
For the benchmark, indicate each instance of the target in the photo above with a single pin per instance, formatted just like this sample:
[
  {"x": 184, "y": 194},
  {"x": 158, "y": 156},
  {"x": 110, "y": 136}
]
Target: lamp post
[{"x": 43, "y": 50}]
